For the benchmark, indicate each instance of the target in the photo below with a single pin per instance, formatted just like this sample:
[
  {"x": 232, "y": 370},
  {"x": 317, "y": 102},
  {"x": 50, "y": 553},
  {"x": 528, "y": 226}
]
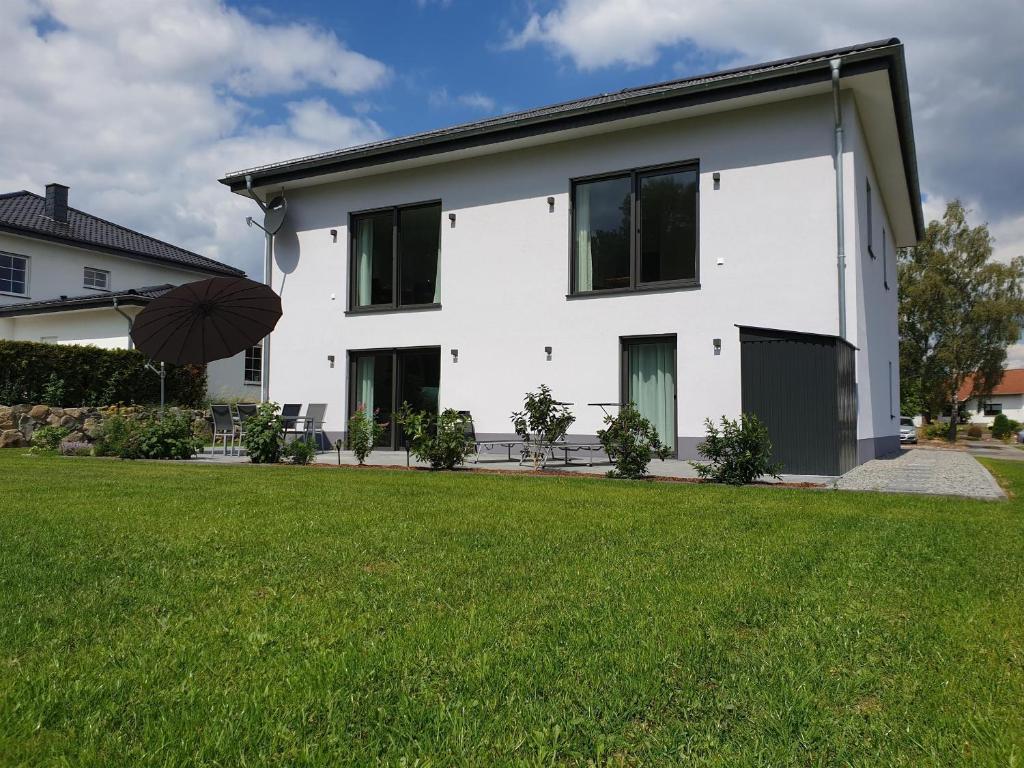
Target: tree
[{"x": 958, "y": 312}]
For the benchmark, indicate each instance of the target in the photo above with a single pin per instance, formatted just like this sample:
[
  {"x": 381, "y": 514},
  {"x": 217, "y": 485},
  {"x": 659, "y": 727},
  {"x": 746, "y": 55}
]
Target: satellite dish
[{"x": 274, "y": 216}]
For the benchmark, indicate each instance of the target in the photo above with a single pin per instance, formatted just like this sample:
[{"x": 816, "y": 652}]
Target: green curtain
[
  {"x": 584, "y": 258},
  {"x": 364, "y": 382},
  {"x": 437, "y": 274},
  {"x": 652, "y": 386},
  {"x": 364, "y": 266}
]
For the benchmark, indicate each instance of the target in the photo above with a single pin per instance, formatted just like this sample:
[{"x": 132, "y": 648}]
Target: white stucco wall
[
  {"x": 1013, "y": 407},
  {"x": 56, "y": 269},
  {"x": 505, "y": 270}
]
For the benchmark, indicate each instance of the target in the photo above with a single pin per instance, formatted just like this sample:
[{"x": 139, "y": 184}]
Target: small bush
[
  {"x": 630, "y": 441},
  {"x": 364, "y": 431},
  {"x": 542, "y": 422},
  {"x": 114, "y": 436},
  {"x": 169, "y": 436},
  {"x": 974, "y": 432},
  {"x": 937, "y": 430},
  {"x": 738, "y": 454},
  {"x": 1003, "y": 426},
  {"x": 53, "y": 391},
  {"x": 264, "y": 435},
  {"x": 47, "y": 439},
  {"x": 300, "y": 451},
  {"x": 438, "y": 439}
]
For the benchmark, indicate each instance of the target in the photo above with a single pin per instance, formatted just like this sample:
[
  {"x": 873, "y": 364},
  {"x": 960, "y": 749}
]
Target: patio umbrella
[{"x": 206, "y": 320}]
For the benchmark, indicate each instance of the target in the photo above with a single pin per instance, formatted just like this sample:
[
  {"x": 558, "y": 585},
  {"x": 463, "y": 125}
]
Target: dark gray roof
[
  {"x": 811, "y": 68},
  {"x": 131, "y": 297},
  {"x": 23, "y": 213}
]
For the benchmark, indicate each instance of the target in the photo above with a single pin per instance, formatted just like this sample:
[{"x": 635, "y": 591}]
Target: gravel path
[{"x": 937, "y": 472}]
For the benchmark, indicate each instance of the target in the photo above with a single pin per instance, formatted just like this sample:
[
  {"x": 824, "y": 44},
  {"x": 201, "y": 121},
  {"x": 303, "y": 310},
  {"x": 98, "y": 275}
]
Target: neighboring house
[
  {"x": 1007, "y": 397},
  {"x": 64, "y": 275},
  {"x": 675, "y": 245}
]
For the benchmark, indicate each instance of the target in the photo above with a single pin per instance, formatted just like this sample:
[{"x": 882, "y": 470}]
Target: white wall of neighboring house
[
  {"x": 767, "y": 253},
  {"x": 1012, "y": 406},
  {"x": 56, "y": 270}
]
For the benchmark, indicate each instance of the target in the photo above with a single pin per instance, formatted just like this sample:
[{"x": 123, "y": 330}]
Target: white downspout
[
  {"x": 840, "y": 219},
  {"x": 267, "y": 263}
]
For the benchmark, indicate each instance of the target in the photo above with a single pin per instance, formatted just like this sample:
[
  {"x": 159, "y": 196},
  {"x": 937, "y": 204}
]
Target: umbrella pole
[{"x": 162, "y": 373}]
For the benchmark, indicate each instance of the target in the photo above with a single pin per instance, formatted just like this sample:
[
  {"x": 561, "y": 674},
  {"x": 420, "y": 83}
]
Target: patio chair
[
  {"x": 290, "y": 417},
  {"x": 245, "y": 412},
  {"x": 223, "y": 426},
  {"x": 469, "y": 429},
  {"x": 313, "y": 424}
]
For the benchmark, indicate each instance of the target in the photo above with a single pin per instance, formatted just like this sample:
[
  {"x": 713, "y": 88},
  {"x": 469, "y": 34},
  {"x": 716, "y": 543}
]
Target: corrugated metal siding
[{"x": 801, "y": 387}]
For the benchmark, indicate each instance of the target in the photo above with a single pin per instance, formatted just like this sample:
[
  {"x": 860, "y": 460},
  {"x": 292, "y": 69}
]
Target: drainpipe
[
  {"x": 161, "y": 371},
  {"x": 840, "y": 223},
  {"x": 267, "y": 257},
  {"x": 121, "y": 312}
]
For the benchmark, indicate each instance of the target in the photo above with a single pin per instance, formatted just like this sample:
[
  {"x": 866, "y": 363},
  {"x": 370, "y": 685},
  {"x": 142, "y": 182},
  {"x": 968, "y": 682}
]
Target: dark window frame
[
  {"x": 395, "y": 354},
  {"x": 885, "y": 260},
  {"x": 27, "y": 270},
  {"x": 990, "y": 409},
  {"x": 870, "y": 219},
  {"x": 246, "y": 368},
  {"x": 395, "y": 304},
  {"x": 653, "y": 338},
  {"x": 635, "y": 284}
]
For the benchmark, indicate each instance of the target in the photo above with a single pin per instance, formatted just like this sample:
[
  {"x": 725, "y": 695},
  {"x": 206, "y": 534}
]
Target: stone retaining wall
[{"x": 18, "y": 422}]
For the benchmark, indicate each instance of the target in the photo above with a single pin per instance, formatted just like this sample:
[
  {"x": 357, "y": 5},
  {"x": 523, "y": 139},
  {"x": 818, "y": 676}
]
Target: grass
[{"x": 165, "y": 615}]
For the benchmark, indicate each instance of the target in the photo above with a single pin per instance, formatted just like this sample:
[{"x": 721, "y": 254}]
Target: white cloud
[
  {"x": 140, "y": 107},
  {"x": 440, "y": 97},
  {"x": 964, "y": 62}
]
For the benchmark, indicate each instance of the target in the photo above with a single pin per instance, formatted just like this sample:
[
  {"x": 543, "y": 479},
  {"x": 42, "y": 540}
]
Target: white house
[
  {"x": 1007, "y": 397},
  {"x": 691, "y": 246},
  {"x": 68, "y": 277}
]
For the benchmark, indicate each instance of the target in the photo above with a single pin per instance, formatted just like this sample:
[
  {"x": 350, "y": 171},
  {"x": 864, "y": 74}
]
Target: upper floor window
[
  {"x": 13, "y": 274},
  {"x": 254, "y": 364},
  {"x": 395, "y": 258},
  {"x": 635, "y": 230},
  {"x": 869, "y": 216},
  {"x": 97, "y": 278}
]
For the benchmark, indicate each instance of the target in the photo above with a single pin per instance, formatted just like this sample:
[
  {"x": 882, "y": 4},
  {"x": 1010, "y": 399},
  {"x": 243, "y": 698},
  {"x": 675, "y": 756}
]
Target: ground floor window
[
  {"x": 649, "y": 380},
  {"x": 380, "y": 380},
  {"x": 254, "y": 364},
  {"x": 993, "y": 409}
]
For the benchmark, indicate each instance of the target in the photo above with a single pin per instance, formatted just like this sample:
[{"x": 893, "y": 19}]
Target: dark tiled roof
[
  {"x": 604, "y": 100},
  {"x": 131, "y": 297},
  {"x": 24, "y": 213}
]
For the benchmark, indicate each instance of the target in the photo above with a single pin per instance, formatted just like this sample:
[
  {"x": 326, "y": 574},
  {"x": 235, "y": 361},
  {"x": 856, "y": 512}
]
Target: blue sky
[{"x": 141, "y": 106}]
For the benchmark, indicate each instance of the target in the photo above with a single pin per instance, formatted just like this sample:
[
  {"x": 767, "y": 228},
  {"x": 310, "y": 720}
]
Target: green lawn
[{"x": 158, "y": 614}]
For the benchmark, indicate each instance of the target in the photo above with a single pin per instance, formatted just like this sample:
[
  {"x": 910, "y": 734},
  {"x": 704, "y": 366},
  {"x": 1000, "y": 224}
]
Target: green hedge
[{"x": 31, "y": 372}]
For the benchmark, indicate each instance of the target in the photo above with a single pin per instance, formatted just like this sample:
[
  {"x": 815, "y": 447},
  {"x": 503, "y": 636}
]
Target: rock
[
  {"x": 39, "y": 412},
  {"x": 53, "y": 419},
  {"x": 73, "y": 412},
  {"x": 6, "y": 419},
  {"x": 12, "y": 438},
  {"x": 68, "y": 421},
  {"x": 76, "y": 437},
  {"x": 91, "y": 427}
]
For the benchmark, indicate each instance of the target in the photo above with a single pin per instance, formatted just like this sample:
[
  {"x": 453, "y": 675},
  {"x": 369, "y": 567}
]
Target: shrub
[
  {"x": 738, "y": 454},
  {"x": 1003, "y": 426},
  {"x": 55, "y": 374},
  {"x": 264, "y": 435},
  {"x": 974, "y": 432},
  {"x": 937, "y": 430},
  {"x": 630, "y": 441},
  {"x": 438, "y": 439},
  {"x": 300, "y": 451},
  {"x": 169, "y": 436},
  {"x": 364, "y": 431},
  {"x": 47, "y": 439},
  {"x": 114, "y": 435},
  {"x": 542, "y": 421}
]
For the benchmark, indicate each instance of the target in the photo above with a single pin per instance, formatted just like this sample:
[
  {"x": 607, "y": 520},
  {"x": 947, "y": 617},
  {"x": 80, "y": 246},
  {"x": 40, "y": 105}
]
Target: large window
[
  {"x": 13, "y": 274},
  {"x": 635, "y": 230},
  {"x": 380, "y": 380},
  {"x": 396, "y": 258},
  {"x": 254, "y": 364},
  {"x": 96, "y": 278}
]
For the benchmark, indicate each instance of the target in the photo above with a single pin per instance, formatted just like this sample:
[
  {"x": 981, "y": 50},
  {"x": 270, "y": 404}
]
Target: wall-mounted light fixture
[
  {"x": 330, "y": 360},
  {"x": 334, "y": 235},
  {"x": 551, "y": 205},
  {"x": 717, "y": 178},
  {"x": 718, "y": 346},
  {"x": 451, "y": 218},
  {"x": 547, "y": 351},
  {"x": 455, "y": 355}
]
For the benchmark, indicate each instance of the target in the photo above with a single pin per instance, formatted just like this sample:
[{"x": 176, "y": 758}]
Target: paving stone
[{"x": 935, "y": 472}]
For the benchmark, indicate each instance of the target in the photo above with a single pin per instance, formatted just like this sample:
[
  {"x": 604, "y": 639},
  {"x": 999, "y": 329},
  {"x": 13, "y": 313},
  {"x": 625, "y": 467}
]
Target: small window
[
  {"x": 13, "y": 274},
  {"x": 869, "y": 216},
  {"x": 635, "y": 230},
  {"x": 993, "y": 409},
  {"x": 396, "y": 258},
  {"x": 254, "y": 364},
  {"x": 97, "y": 278},
  {"x": 885, "y": 260}
]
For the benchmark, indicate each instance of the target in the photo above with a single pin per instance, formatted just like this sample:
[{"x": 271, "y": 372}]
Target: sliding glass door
[
  {"x": 382, "y": 379},
  {"x": 649, "y": 380}
]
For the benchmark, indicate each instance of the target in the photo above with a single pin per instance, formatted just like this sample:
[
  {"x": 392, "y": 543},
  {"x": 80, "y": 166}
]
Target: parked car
[{"x": 908, "y": 432}]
